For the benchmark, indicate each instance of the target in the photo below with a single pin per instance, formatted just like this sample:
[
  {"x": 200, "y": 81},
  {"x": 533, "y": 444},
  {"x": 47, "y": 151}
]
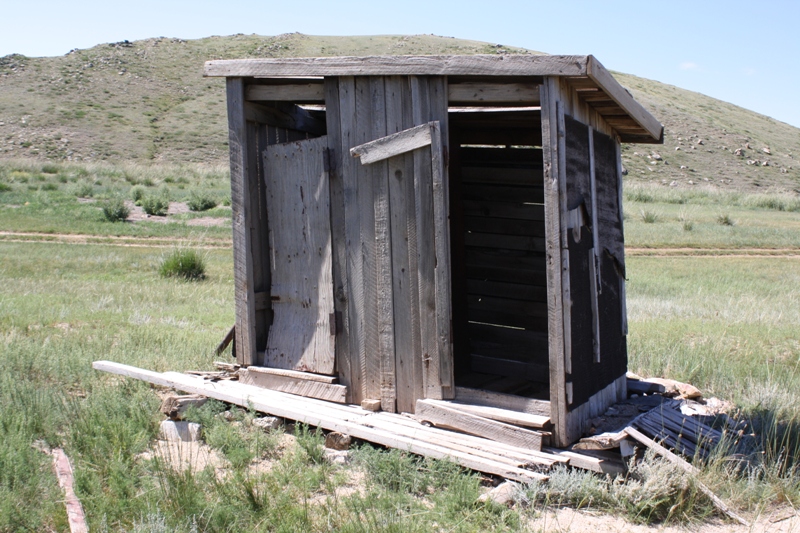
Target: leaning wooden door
[{"x": 303, "y": 330}]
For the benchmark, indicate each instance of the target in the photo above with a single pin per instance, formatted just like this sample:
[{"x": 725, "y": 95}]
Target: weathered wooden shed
[{"x": 433, "y": 227}]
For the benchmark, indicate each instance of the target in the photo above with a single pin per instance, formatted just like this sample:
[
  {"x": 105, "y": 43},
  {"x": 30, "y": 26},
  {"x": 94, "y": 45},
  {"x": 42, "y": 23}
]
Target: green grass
[{"x": 115, "y": 210}]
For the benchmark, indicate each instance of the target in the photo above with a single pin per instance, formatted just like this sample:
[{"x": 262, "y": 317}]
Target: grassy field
[{"x": 727, "y": 324}]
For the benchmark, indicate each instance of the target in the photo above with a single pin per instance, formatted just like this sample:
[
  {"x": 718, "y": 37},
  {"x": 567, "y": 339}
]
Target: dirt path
[
  {"x": 113, "y": 240},
  {"x": 216, "y": 243}
]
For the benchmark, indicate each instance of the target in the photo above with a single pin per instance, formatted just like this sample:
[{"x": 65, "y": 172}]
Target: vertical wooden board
[
  {"x": 577, "y": 171},
  {"x": 257, "y": 140},
  {"x": 300, "y": 238},
  {"x": 365, "y": 131},
  {"x": 383, "y": 288},
  {"x": 408, "y": 365},
  {"x": 609, "y": 210},
  {"x": 586, "y": 375},
  {"x": 553, "y": 232},
  {"x": 346, "y": 366},
  {"x": 437, "y": 87},
  {"x": 352, "y": 177},
  {"x": 246, "y": 353},
  {"x": 426, "y": 249}
]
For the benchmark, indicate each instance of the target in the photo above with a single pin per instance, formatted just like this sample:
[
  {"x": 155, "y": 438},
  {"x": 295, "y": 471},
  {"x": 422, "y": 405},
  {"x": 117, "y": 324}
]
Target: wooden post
[{"x": 244, "y": 294}]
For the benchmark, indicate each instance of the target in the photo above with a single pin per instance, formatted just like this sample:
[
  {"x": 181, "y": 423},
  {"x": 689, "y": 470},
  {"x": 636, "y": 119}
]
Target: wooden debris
[
  {"x": 676, "y": 389},
  {"x": 502, "y": 415},
  {"x": 175, "y": 406},
  {"x": 371, "y": 405},
  {"x": 440, "y": 414},
  {"x": 229, "y": 337},
  {"x": 179, "y": 431},
  {"x": 75, "y": 515},
  {"x": 227, "y": 367},
  {"x": 310, "y": 385},
  {"x": 686, "y": 467},
  {"x": 387, "y": 429},
  {"x": 604, "y": 441}
]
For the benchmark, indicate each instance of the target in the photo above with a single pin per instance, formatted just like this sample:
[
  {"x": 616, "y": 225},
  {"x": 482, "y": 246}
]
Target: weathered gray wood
[
  {"x": 242, "y": 247},
  {"x": 370, "y": 124},
  {"x": 308, "y": 92},
  {"x": 587, "y": 461},
  {"x": 502, "y": 415},
  {"x": 441, "y": 415},
  {"x": 476, "y": 65},
  {"x": 66, "y": 480},
  {"x": 307, "y": 376},
  {"x": 493, "y": 93},
  {"x": 298, "y": 201},
  {"x": 352, "y": 176},
  {"x": 603, "y": 78},
  {"x": 598, "y": 403},
  {"x": 284, "y": 115},
  {"x": 408, "y": 363},
  {"x": 393, "y": 145},
  {"x": 345, "y": 419},
  {"x": 503, "y": 401},
  {"x": 689, "y": 469},
  {"x": 293, "y": 384},
  {"x": 553, "y": 231}
]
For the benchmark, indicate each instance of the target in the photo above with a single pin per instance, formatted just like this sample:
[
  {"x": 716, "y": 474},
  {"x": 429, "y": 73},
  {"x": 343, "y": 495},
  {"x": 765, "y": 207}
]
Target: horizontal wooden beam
[
  {"x": 493, "y": 93},
  {"x": 503, "y": 401},
  {"x": 516, "y": 418},
  {"x": 301, "y": 386},
  {"x": 393, "y": 145},
  {"x": 603, "y": 78},
  {"x": 442, "y": 415},
  {"x": 306, "y": 93},
  {"x": 464, "y": 65},
  {"x": 308, "y": 376}
]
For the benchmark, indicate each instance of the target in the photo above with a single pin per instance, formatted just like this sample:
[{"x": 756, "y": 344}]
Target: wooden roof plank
[
  {"x": 609, "y": 85},
  {"x": 466, "y": 65}
]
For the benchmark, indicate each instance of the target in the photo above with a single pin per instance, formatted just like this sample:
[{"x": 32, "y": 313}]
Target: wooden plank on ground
[
  {"x": 588, "y": 461},
  {"x": 689, "y": 469},
  {"x": 293, "y": 384},
  {"x": 466, "y": 65},
  {"x": 393, "y": 145},
  {"x": 503, "y": 401},
  {"x": 75, "y": 515},
  {"x": 516, "y": 418},
  {"x": 345, "y": 419},
  {"x": 307, "y": 376},
  {"x": 440, "y": 414}
]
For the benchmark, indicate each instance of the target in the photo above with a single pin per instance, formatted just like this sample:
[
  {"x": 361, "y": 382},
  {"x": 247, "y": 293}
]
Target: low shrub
[
  {"x": 49, "y": 187},
  {"x": 83, "y": 190},
  {"x": 183, "y": 263},
  {"x": 725, "y": 219},
  {"x": 5, "y": 187},
  {"x": 115, "y": 210},
  {"x": 50, "y": 169},
  {"x": 648, "y": 217},
  {"x": 201, "y": 202},
  {"x": 155, "y": 205},
  {"x": 137, "y": 194}
]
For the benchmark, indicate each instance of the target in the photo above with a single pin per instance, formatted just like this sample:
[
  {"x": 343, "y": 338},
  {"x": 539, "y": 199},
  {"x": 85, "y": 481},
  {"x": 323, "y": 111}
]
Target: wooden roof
[{"x": 593, "y": 83}]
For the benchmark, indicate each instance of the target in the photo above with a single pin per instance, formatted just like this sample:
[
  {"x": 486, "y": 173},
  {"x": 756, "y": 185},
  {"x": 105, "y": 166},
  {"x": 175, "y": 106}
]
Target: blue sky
[{"x": 746, "y": 53}]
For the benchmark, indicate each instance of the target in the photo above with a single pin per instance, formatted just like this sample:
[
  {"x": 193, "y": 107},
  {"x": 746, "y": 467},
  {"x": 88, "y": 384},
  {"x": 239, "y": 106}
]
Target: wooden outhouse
[{"x": 433, "y": 227}]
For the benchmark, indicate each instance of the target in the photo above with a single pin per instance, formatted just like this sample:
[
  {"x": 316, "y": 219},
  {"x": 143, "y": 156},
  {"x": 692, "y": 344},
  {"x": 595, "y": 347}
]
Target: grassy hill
[{"x": 147, "y": 101}]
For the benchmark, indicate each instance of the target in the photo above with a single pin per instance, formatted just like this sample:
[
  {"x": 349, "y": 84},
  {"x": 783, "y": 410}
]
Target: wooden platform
[{"x": 519, "y": 463}]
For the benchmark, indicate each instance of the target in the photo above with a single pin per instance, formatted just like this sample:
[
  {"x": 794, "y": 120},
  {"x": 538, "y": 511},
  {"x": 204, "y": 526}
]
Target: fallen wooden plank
[
  {"x": 503, "y": 401},
  {"x": 686, "y": 467},
  {"x": 293, "y": 384},
  {"x": 441, "y": 415},
  {"x": 603, "y": 441},
  {"x": 516, "y": 418},
  {"x": 308, "y": 376},
  {"x": 75, "y": 515},
  {"x": 316, "y": 413},
  {"x": 587, "y": 461},
  {"x": 226, "y": 341},
  {"x": 393, "y": 145}
]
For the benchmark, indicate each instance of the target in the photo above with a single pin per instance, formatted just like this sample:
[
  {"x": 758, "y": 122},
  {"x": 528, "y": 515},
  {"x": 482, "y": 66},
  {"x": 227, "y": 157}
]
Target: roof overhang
[{"x": 586, "y": 75}]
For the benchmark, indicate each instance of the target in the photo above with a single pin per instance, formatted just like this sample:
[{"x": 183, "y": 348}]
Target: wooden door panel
[{"x": 302, "y": 335}]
